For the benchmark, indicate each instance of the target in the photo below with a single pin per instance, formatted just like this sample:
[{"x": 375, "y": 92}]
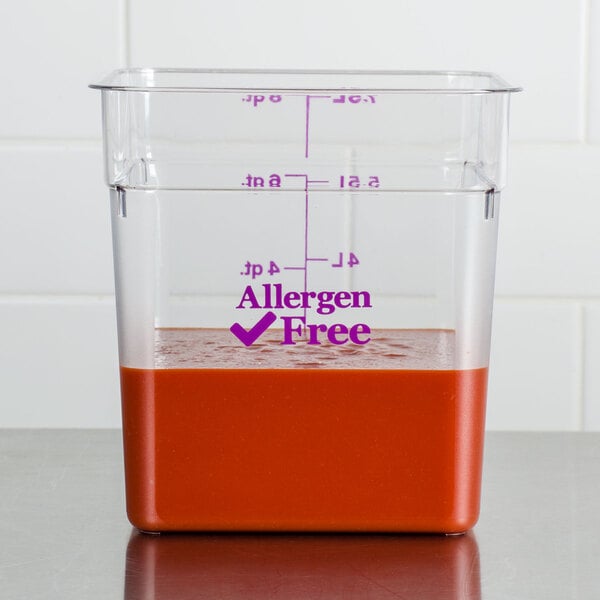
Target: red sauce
[{"x": 314, "y": 448}]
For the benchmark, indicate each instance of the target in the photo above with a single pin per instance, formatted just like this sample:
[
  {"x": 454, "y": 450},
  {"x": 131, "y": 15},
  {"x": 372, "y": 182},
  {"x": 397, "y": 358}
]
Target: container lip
[{"x": 299, "y": 80}]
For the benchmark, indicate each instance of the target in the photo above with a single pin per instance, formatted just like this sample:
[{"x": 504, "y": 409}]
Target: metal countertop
[{"x": 64, "y": 534}]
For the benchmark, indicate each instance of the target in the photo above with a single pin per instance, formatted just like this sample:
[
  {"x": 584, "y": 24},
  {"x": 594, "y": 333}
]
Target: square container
[{"x": 304, "y": 268}]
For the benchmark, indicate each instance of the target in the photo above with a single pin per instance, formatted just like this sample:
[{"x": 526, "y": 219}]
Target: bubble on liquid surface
[{"x": 219, "y": 348}]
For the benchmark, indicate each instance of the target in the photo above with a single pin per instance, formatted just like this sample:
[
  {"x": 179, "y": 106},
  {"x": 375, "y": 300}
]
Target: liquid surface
[
  {"x": 282, "y": 449},
  {"x": 388, "y": 349}
]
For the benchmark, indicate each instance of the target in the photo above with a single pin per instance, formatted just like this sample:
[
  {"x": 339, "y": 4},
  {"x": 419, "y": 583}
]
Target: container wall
[
  {"x": 207, "y": 260},
  {"x": 214, "y": 140},
  {"x": 291, "y": 219},
  {"x": 304, "y": 288}
]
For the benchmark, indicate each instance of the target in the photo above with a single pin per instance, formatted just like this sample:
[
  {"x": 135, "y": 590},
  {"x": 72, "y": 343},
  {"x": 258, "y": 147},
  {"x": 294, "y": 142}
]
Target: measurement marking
[
  {"x": 305, "y": 245},
  {"x": 318, "y": 181},
  {"x": 305, "y": 267},
  {"x": 306, "y": 126},
  {"x": 319, "y": 259}
]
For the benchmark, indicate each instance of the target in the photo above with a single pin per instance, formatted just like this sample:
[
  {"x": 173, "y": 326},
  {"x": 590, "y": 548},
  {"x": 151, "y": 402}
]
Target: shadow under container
[{"x": 304, "y": 268}]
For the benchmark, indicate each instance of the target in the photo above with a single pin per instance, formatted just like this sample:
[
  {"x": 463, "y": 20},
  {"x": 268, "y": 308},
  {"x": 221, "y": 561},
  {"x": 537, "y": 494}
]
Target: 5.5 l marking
[{"x": 275, "y": 180}]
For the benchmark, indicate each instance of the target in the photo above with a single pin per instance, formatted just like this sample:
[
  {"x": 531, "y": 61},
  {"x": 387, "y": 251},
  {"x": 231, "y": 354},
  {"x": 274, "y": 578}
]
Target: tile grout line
[
  {"x": 56, "y": 298},
  {"x": 557, "y": 300},
  {"x": 124, "y": 34},
  {"x": 9, "y": 142},
  {"x": 584, "y": 83},
  {"x": 52, "y": 143},
  {"x": 580, "y": 367}
]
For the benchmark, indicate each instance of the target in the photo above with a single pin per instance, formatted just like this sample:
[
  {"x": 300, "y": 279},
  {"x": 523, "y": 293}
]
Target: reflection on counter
[{"x": 253, "y": 567}]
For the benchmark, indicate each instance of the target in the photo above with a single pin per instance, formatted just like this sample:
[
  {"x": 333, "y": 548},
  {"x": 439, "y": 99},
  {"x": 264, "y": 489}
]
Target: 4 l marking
[{"x": 255, "y": 270}]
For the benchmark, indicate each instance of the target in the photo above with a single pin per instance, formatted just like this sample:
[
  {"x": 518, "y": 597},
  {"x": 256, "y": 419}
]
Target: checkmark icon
[{"x": 248, "y": 337}]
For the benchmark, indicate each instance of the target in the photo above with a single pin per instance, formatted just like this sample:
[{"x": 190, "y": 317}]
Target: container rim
[{"x": 300, "y": 80}]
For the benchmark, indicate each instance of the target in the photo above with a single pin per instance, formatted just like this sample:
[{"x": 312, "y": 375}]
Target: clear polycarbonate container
[{"x": 304, "y": 268}]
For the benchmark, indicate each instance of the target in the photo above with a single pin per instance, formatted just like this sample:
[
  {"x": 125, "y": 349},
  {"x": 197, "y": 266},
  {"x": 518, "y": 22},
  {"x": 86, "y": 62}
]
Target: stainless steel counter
[{"x": 64, "y": 534}]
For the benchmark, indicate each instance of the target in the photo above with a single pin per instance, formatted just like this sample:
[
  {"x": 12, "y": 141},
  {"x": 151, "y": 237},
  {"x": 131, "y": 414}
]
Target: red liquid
[{"x": 318, "y": 449}]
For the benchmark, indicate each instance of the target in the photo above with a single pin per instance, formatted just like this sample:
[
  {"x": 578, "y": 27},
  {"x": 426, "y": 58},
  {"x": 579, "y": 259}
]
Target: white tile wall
[
  {"x": 535, "y": 366},
  {"x": 548, "y": 241},
  {"x": 591, "y": 370},
  {"x": 593, "y": 99},
  {"x": 58, "y": 362},
  {"x": 55, "y": 220},
  {"x": 535, "y": 43},
  {"x": 50, "y": 51}
]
